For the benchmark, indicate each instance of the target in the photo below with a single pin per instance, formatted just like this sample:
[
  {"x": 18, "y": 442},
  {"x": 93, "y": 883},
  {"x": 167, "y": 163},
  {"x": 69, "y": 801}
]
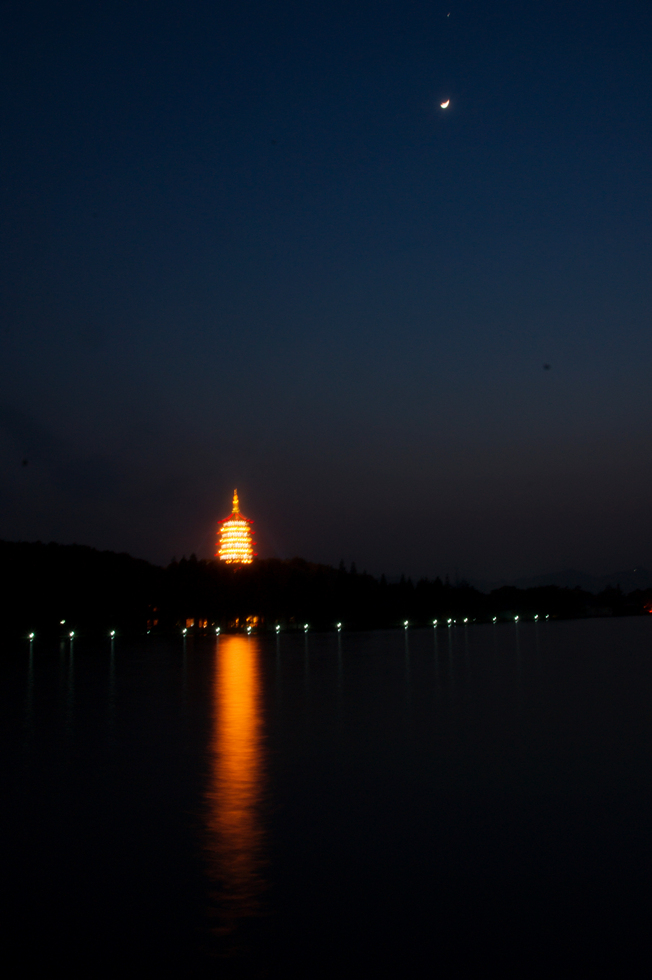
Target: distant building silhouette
[{"x": 235, "y": 542}]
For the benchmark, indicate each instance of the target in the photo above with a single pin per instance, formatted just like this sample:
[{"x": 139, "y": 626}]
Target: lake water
[{"x": 452, "y": 802}]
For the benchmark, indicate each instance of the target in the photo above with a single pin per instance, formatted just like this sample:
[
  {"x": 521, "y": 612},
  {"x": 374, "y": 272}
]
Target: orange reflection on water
[{"x": 235, "y": 785}]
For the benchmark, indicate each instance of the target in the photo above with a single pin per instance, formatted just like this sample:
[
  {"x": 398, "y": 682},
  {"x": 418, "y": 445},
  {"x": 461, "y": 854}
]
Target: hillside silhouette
[{"x": 95, "y": 591}]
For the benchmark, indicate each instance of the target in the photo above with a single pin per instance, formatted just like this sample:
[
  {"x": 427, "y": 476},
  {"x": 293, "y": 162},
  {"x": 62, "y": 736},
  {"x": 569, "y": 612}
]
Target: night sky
[{"x": 243, "y": 246}]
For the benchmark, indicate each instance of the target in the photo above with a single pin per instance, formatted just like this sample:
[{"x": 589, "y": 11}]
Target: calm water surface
[{"x": 451, "y": 802}]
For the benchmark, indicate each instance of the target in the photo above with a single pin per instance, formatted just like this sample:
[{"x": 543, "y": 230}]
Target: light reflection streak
[
  {"x": 70, "y": 690},
  {"x": 234, "y": 827},
  {"x": 112, "y": 696},
  {"x": 29, "y": 698}
]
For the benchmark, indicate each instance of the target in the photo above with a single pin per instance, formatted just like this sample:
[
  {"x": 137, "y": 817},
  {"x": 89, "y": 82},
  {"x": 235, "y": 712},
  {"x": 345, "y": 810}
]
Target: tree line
[{"x": 52, "y": 588}]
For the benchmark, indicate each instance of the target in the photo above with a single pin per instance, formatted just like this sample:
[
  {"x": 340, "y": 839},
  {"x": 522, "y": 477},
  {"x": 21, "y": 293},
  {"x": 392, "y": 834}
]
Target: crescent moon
[{"x": 445, "y": 104}]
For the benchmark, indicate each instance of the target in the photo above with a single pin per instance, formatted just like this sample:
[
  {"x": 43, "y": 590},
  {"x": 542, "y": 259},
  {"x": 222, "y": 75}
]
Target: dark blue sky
[{"x": 243, "y": 246}]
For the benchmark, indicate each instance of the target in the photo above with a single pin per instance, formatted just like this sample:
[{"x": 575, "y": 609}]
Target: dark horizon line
[{"x": 574, "y": 578}]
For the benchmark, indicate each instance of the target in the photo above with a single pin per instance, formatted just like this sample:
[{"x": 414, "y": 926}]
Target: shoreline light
[{"x": 235, "y": 537}]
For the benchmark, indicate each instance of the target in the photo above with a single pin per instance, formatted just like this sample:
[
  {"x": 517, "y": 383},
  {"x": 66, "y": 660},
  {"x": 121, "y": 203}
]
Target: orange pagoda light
[{"x": 235, "y": 540}]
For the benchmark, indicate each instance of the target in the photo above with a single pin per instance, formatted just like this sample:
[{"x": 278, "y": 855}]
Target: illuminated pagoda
[{"x": 235, "y": 543}]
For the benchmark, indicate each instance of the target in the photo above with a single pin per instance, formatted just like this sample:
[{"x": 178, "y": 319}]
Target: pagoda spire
[{"x": 235, "y": 542}]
